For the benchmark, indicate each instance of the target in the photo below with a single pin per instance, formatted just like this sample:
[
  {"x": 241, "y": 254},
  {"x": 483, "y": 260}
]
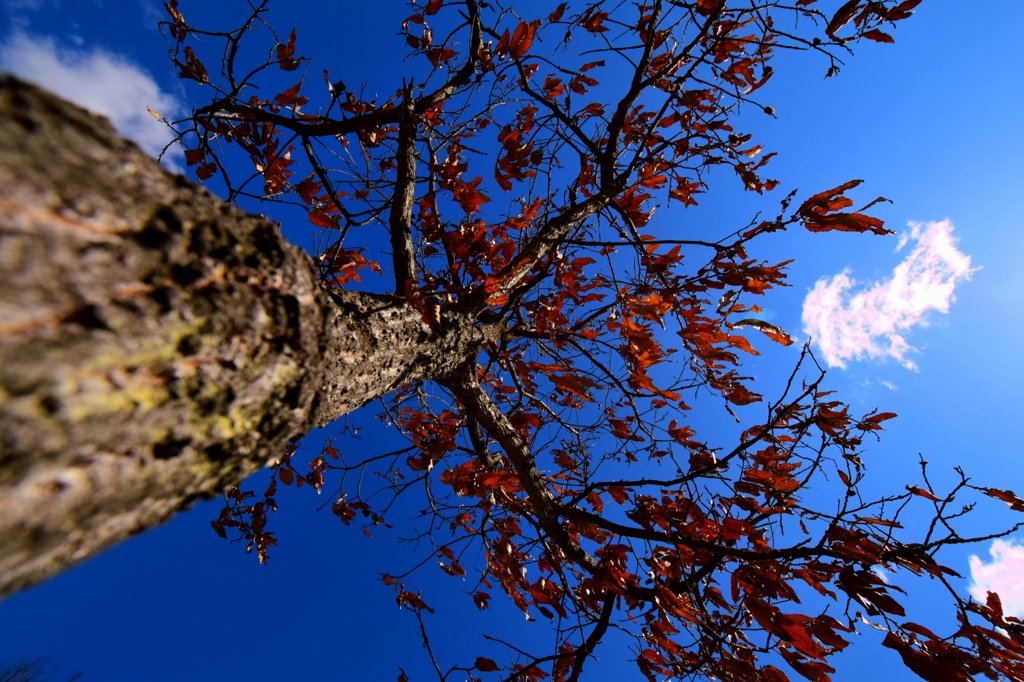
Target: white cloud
[
  {"x": 1004, "y": 575},
  {"x": 152, "y": 14},
  {"x": 874, "y": 321},
  {"x": 100, "y": 81}
]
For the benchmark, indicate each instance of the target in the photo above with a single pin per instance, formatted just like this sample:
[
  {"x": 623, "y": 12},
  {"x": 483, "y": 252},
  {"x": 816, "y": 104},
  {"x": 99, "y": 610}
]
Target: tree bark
[{"x": 156, "y": 344}]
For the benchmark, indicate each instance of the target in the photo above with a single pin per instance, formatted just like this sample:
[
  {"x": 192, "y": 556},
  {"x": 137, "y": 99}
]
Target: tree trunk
[{"x": 157, "y": 345}]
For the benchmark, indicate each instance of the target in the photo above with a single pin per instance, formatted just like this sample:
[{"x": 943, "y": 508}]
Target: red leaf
[
  {"x": 322, "y": 218},
  {"x": 577, "y": 385},
  {"x": 817, "y": 213},
  {"x": 194, "y": 156},
  {"x": 841, "y": 17},
  {"x": 432, "y": 7},
  {"x": 618, "y": 493},
  {"x": 902, "y": 10},
  {"x": 812, "y": 670},
  {"x": 995, "y": 603},
  {"x": 522, "y": 39},
  {"x": 482, "y": 600},
  {"x": 825, "y": 200},
  {"x": 205, "y": 171},
  {"x": 285, "y": 54},
  {"x": 469, "y": 197},
  {"x": 923, "y": 493},
  {"x": 501, "y": 48},
  {"x": 1007, "y": 496},
  {"x": 522, "y": 421},
  {"x": 930, "y": 668},
  {"x": 920, "y": 630},
  {"x": 180, "y": 31},
  {"x": 307, "y": 189},
  {"x": 653, "y": 656},
  {"x": 438, "y": 54},
  {"x": 486, "y": 665},
  {"x": 770, "y": 330},
  {"x": 194, "y": 68},
  {"x": 593, "y": 24},
  {"x": 878, "y": 36},
  {"x": 291, "y": 96},
  {"x": 431, "y": 313},
  {"x": 415, "y": 19},
  {"x": 879, "y": 522},
  {"x": 406, "y": 598},
  {"x": 343, "y": 511},
  {"x": 559, "y": 11},
  {"x": 708, "y": 7}
]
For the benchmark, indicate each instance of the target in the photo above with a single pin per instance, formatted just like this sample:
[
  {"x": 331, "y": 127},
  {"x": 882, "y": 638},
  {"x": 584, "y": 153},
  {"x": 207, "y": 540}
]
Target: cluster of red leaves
[
  {"x": 248, "y": 520},
  {"x": 579, "y": 307}
]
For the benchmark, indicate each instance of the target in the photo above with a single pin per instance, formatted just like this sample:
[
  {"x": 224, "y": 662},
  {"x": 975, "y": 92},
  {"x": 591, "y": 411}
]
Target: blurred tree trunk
[{"x": 157, "y": 345}]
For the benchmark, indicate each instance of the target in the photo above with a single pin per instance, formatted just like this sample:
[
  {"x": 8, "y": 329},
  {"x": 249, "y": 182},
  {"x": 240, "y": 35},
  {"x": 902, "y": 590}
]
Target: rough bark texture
[
  {"x": 157, "y": 345},
  {"x": 403, "y": 199}
]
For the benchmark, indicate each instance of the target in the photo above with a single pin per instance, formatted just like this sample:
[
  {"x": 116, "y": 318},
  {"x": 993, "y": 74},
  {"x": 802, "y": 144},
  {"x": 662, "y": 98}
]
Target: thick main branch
[
  {"x": 157, "y": 345},
  {"x": 467, "y": 390}
]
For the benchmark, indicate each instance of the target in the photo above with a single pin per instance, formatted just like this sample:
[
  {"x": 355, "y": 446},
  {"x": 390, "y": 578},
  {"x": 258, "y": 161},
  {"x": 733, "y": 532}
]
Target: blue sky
[{"x": 926, "y": 324}]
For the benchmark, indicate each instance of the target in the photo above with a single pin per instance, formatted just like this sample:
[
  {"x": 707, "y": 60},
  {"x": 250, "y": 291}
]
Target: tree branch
[{"x": 403, "y": 197}]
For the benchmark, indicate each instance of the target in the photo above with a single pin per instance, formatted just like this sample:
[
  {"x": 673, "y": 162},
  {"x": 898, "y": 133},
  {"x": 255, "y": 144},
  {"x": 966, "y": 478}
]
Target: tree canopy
[{"x": 513, "y": 175}]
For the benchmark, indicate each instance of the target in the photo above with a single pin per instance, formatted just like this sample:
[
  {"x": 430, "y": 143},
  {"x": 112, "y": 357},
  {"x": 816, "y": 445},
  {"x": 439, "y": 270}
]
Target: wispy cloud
[
  {"x": 882, "y": 574},
  {"x": 874, "y": 321},
  {"x": 24, "y": 4},
  {"x": 1003, "y": 575},
  {"x": 97, "y": 80},
  {"x": 152, "y": 14},
  {"x": 881, "y": 382}
]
